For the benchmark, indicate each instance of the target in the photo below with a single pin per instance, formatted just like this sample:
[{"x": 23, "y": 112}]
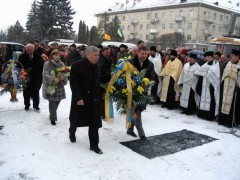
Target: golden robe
[
  {"x": 172, "y": 69},
  {"x": 230, "y": 79}
]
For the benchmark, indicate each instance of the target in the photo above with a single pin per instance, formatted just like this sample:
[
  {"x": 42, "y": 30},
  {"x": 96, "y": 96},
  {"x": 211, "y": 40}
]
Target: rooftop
[{"x": 123, "y": 5}]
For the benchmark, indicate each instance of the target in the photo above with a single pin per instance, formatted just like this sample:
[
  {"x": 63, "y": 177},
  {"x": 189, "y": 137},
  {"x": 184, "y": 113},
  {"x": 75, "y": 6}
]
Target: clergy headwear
[
  {"x": 192, "y": 55},
  {"x": 153, "y": 48},
  {"x": 235, "y": 52},
  {"x": 208, "y": 53},
  {"x": 173, "y": 53}
]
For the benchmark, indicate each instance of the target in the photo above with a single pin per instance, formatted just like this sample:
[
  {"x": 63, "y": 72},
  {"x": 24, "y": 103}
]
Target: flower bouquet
[
  {"x": 63, "y": 71},
  {"x": 13, "y": 79},
  {"x": 128, "y": 89}
]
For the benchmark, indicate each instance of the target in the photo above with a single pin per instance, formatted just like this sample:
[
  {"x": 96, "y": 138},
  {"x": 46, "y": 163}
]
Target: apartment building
[{"x": 199, "y": 21}]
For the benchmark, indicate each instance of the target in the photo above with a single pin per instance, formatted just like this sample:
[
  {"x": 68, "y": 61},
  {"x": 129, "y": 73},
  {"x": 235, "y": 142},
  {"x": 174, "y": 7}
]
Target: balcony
[
  {"x": 179, "y": 18},
  {"x": 180, "y": 30},
  {"x": 209, "y": 20},
  {"x": 133, "y": 31},
  {"x": 153, "y": 31},
  {"x": 134, "y": 21},
  {"x": 154, "y": 20},
  {"x": 207, "y": 33}
]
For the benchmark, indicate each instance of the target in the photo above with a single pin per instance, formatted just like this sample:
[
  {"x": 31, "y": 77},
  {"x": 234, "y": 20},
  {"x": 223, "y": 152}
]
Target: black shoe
[
  {"x": 53, "y": 123},
  {"x": 72, "y": 137},
  {"x": 37, "y": 108},
  {"x": 96, "y": 150},
  {"x": 143, "y": 138},
  {"x": 26, "y": 108},
  {"x": 131, "y": 133}
]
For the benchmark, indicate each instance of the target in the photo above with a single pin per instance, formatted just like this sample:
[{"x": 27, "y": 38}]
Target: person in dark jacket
[
  {"x": 85, "y": 105},
  {"x": 73, "y": 55},
  {"x": 141, "y": 62},
  {"x": 105, "y": 64},
  {"x": 33, "y": 64}
]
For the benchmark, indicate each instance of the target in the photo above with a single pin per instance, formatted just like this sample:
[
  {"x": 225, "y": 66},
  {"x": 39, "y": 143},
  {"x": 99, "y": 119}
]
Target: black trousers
[
  {"x": 31, "y": 92},
  {"x": 92, "y": 134}
]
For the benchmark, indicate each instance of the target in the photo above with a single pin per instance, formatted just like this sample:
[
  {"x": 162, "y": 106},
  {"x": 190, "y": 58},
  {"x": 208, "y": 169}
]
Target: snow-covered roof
[{"x": 123, "y": 5}]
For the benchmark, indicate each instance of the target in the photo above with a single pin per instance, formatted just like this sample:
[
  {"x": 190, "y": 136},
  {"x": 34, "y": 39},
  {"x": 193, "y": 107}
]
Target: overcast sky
[{"x": 13, "y": 10}]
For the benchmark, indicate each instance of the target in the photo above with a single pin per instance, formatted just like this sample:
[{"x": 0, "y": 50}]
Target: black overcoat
[
  {"x": 34, "y": 67},
  {"x": 85, "y": 85}
]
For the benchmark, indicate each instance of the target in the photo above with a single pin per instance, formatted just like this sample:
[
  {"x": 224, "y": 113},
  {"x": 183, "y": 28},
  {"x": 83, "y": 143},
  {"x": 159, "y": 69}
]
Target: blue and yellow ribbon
[{"x": 123, "y": 67}]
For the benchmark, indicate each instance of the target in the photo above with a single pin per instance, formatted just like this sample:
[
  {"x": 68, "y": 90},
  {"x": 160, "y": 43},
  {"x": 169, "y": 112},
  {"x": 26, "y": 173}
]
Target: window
[
  {"x": 189, "y": 25},
  {"x": 171, "y": 25},
  {"x": 147, "y": 36},
  {"x": 190, "y": 13},
  {"x": 155, "y": 15},
  {"x": 141, "y": 26},
  {"x": 220, "y": 28},
  {"x": 163, "y": 14},
  {"x": 189, "y": 37},
  {"x": 148, "y": 26},
  {"x": 213, "y": 28},
  {"x": 129, "y": 27},
  {"x": 214, "y": 16},
  {"x": 163, "y": 26},
  {"x": 155, "y": 26},
  {"x": 226, "y": 18},
  {"x": 179, "y": 26},
  {"x": 123, "y": 18},
  {"x": 148, "y": 15},
  {"x": 172, "y": 14},
  {"x": 181, "y": 13},
  {"x": 208, "y": 15},
  {"x": 221, "y": 17}
]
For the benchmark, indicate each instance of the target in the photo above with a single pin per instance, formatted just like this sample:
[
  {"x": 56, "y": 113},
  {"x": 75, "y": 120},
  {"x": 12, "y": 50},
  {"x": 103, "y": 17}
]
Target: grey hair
[
  {"x": 91, "y": 49},
  {"x": 29, "y": 45}
]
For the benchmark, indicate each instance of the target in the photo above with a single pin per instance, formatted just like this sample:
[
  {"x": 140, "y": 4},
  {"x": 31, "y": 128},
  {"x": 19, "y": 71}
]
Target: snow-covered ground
[{"x": 31, "y": 148}]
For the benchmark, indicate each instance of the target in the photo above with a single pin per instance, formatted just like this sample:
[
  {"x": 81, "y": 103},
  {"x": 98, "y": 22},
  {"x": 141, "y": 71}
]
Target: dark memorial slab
[{"x": 169, "y": 143}]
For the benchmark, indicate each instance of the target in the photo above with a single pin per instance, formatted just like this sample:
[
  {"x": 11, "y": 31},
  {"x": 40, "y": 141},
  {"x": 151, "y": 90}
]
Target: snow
[
  {"x": 123, "y": 5},
  {"x": 31, "y": 148}
]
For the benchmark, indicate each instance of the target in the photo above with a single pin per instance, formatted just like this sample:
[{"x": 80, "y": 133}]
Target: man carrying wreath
[{"x": 141, "y": 62}]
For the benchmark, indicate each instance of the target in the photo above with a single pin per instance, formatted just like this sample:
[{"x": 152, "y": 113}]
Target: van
[
  {"x": 10, "y": 50},
  {"x": 111, "y": 43}
]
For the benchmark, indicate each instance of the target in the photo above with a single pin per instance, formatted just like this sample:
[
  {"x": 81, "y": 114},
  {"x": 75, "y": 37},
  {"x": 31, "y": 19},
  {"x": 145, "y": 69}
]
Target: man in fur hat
[
  {"x": 189, "y": 98},
  {"x": 207, "y": 87},
  {"x": 170, "y": 74},
  {"x": 230, "y": 92}
]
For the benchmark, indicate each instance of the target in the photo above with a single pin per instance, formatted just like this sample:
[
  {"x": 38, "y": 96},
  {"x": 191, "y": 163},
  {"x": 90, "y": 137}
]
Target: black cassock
[{"x": 208, "y": 115}]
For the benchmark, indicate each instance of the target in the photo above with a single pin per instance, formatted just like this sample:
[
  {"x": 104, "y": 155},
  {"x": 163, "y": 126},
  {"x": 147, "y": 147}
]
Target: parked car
[{"x": 10, "y": 50}]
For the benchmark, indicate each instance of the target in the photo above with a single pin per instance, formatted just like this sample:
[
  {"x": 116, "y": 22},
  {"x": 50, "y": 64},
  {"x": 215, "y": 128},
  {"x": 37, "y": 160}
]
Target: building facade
[{"x": 199, "y": 22}]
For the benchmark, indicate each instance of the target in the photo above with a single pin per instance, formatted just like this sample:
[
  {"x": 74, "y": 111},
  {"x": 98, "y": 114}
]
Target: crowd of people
[{"x": 208, "y": 88}]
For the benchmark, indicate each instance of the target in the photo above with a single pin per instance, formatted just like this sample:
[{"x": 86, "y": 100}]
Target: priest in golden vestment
[
  {"x": 170, "y": 91},
  {"x": 230, "y": 92}
]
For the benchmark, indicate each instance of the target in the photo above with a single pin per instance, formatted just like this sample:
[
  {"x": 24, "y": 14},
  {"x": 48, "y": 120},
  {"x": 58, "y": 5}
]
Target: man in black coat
[
  {"x": 85, "y": 105},
  {"x": 141, "y": 62},
  {"x": 105, "y": 64},
  {"x": 32, "y": 62}
]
